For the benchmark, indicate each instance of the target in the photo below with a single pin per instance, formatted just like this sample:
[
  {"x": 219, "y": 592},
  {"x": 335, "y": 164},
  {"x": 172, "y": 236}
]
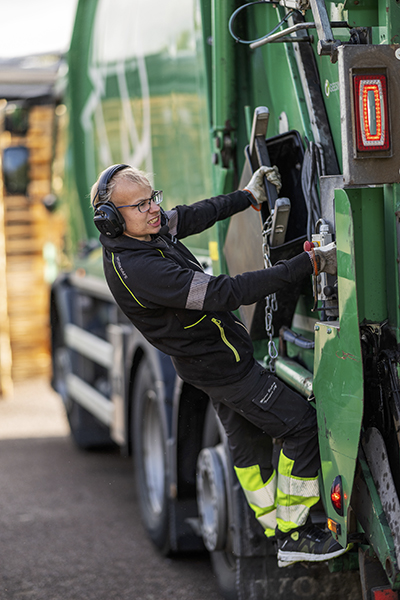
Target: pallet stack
[{"x": 30, "y": 233}]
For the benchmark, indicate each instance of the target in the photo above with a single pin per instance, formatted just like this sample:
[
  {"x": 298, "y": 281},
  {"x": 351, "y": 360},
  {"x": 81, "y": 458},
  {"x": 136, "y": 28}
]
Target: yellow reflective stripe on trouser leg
[
  {"x": 294, "y": 496},
  {"x": 259, "y": 495}
]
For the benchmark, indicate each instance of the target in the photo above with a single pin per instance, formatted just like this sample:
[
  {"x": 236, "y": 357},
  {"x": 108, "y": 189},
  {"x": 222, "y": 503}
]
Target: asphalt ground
[{"x": 69, "y": 522}]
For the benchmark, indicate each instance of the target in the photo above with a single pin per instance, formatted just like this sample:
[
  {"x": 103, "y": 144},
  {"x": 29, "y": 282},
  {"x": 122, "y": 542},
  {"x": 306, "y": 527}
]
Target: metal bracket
[{"x": 327, "y": 45}]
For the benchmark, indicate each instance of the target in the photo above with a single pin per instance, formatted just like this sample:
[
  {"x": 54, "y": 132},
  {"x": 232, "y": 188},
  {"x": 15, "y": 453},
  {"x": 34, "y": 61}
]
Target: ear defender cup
[
  {"x": 109, "y": 220},
  {"x": 107, "y": 217}
]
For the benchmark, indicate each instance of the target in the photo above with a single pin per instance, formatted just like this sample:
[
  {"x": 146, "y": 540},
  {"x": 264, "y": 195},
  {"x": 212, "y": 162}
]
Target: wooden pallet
[
  {"x": 6, "y": 383},
  {"x": 25, "y": 228}
]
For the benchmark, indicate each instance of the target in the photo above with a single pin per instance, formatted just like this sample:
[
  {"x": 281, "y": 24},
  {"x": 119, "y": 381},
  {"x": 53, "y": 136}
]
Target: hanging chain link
[{"x": 271, "y": 303}]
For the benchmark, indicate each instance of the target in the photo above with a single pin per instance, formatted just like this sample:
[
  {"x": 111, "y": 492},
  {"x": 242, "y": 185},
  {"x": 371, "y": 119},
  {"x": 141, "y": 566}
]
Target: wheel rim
[
  {"x": 211, "y": 499},
  {"x": 153, "y": 453}
]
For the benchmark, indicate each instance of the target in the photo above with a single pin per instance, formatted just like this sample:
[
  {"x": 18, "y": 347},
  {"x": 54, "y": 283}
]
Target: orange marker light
[{"x": 334, "y": 527}]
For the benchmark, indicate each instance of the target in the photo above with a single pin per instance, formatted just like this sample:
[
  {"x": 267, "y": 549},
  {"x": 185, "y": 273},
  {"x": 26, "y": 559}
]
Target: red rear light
[
  {"x": 371, "y": 110},
  {"x": 337, "y": 495},
  {"x": 384, "y": 594}
]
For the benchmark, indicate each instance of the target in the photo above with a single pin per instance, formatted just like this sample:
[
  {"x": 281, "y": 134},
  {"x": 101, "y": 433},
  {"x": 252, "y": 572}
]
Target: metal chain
[{"x": 271, "y": 303}]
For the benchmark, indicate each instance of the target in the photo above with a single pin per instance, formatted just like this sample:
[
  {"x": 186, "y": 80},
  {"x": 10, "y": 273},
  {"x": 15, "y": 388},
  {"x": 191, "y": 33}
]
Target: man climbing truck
[
  {"x": 202, "y": 94},
  {"x": 184, "y": 312}
]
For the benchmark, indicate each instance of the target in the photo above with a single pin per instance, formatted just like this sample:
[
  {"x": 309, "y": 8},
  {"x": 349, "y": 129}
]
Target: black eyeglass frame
[{"x": 157, "y": 201}]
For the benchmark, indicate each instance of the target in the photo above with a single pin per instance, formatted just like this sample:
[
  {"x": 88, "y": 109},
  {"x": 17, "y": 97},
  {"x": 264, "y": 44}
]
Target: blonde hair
[{"x": 130, "y": 174}]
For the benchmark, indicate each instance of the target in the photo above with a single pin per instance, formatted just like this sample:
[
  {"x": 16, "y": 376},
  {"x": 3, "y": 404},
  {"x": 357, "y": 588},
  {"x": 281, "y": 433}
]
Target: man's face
[{"x": 139, "y": 225}]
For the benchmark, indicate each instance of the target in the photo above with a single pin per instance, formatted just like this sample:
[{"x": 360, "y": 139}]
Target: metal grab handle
[{"x": 279, "y": 34}]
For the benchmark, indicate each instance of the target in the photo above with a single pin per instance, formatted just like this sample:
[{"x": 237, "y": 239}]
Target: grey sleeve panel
[
  {"x": 197, "y": 291},
  {"x": 173, "y": 221}
]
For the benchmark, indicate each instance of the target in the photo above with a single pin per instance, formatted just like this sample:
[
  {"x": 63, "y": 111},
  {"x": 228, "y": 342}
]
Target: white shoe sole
[{"x": 289, "y": 558}]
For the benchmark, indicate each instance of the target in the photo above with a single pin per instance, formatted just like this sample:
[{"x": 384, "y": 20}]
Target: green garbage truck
[{"x": 200, "y": 93}]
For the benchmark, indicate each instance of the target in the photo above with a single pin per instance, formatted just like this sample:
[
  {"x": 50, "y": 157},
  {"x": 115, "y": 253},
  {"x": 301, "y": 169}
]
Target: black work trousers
[
  {"x": 248, "y": 422},
  {"x": 253, "y": 411}
]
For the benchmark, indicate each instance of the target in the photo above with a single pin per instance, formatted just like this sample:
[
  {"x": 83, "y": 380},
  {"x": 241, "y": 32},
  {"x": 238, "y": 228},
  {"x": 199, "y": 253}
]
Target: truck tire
[
  {"x": 149, "y": 443},
  {"x": 224, "y": 567},
  {"x": 223, "y": 561}
]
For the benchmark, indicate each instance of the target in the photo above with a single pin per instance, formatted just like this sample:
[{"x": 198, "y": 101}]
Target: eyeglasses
[{"x": 144, "y": 205}]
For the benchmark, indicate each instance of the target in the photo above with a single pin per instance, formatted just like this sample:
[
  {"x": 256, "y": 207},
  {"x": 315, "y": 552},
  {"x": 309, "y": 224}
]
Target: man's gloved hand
[
  {"x": 323, "y": 258},
  {"x": 256, "y": 184}
]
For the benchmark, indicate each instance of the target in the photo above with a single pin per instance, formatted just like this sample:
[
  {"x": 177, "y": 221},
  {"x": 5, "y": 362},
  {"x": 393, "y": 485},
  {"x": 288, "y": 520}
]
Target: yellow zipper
[{"x": 223, "y": 336}]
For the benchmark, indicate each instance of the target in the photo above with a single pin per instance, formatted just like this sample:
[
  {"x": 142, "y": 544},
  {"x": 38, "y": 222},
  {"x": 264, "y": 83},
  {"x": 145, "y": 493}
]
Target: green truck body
[{"x": 171, "y": 87}]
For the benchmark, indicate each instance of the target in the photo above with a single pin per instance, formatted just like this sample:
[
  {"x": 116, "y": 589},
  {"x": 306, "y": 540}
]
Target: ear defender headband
[{"x": 107, "y": 217}]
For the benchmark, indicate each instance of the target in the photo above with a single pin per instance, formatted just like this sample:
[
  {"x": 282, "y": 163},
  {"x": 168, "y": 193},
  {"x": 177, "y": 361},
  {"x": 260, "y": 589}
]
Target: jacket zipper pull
[{"x": 224, "y": 338}]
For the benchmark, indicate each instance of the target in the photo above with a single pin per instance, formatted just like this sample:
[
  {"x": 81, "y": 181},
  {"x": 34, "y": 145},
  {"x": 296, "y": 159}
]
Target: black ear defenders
[{"x": 107, "y": 217}]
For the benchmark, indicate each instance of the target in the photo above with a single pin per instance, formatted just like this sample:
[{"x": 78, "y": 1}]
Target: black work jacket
[{"x": 180, "y": 309}]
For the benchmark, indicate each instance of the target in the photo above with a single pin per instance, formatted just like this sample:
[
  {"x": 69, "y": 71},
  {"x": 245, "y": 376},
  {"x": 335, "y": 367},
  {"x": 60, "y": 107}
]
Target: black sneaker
[{"x": 307, "y": 543}]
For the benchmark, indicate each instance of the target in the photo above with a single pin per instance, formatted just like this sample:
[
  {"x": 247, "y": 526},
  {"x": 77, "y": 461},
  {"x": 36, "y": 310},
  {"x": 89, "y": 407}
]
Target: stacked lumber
[
  {"x": 28, "y": 229},
  {"x": 5, "y": 348}
]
